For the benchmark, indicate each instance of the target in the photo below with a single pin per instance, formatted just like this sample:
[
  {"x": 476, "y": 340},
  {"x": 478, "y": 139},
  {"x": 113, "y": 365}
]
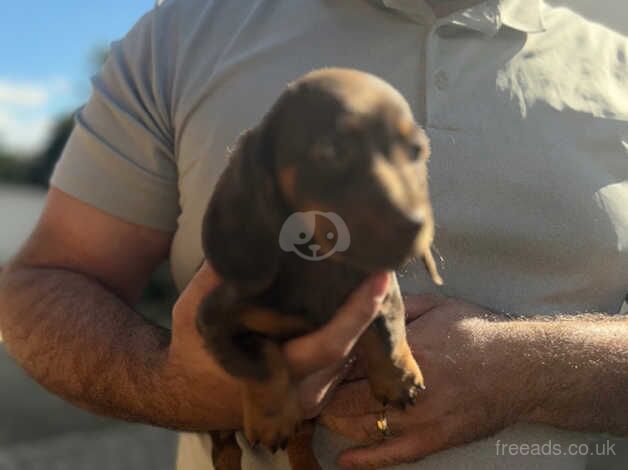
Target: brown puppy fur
[{"x": 343, "y": 146}]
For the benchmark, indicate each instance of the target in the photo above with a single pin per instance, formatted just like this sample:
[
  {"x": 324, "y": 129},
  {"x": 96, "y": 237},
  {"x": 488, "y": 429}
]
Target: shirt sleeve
[{"x": 120, "y": 156}]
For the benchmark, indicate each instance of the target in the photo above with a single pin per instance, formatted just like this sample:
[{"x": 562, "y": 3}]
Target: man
[{"x": 527, "y": 111}]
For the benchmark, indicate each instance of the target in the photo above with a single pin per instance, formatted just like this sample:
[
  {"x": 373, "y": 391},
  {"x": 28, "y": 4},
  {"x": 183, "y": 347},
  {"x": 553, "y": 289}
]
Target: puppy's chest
[{"x": 313, "y": 290}]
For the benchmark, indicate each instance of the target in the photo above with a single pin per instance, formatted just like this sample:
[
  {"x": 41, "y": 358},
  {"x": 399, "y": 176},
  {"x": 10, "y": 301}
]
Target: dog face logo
[{"x": 298, "y": 235}]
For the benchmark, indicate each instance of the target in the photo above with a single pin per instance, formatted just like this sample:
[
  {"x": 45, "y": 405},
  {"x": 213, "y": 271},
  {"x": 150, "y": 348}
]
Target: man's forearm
[
  {"x": 83, "y": 343},
  {"x": 577, "y": 371}
]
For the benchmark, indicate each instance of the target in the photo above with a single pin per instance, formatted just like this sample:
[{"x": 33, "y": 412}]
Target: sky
[{"x": 46, "y": 50}]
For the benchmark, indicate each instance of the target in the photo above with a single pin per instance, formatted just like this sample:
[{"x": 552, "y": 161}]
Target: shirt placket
[
  {"x": 437, "y": 79},
  {"x": 425, "y": 30},
  {"x": 431, "y": 77}
]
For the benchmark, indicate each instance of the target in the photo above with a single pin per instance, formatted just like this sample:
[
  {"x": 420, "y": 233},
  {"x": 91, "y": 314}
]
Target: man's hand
[
  {"x": 484, "y": 373},
  {"x": 318, "y": 360},
  {"x": 463, "y": 400}
]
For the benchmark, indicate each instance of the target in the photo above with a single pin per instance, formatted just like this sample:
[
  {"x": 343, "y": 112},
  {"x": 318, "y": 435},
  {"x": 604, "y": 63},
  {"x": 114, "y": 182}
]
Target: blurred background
[{"x": 49, "y": 50}]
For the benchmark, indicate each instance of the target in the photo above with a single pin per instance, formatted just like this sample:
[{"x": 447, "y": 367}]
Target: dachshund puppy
[{"x": 328, "y": 189}]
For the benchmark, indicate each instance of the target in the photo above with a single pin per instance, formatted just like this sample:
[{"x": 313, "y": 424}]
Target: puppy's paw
[
  {"x": 272, "y": 424},
  {"x": 399, "y": 383}
]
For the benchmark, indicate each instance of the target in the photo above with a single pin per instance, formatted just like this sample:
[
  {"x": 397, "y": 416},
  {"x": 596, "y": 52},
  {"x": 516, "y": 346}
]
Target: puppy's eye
[{"x": 324, "y": 151}]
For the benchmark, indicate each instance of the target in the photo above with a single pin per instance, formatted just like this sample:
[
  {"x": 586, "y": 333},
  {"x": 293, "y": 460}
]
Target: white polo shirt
[{"x": 526, "y": 107}]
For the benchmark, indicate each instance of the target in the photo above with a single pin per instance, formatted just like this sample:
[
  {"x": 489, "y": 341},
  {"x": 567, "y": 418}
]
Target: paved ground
[{"x": 123, "y": 447}]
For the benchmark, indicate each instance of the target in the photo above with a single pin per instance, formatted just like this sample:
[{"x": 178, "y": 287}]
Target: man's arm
[
  {"x": 484, "y": 373},
  {"x": 65, "y": 314},
  {"x": 580, "y": 375}
]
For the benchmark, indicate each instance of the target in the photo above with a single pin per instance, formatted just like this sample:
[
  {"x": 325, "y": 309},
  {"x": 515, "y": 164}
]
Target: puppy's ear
[{"x": 241, "y": 225}]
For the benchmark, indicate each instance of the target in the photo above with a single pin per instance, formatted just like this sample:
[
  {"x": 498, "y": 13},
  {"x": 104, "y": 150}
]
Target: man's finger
[
  {"x": 333, "y": 342},
  {"x": 417, "y": 305},
  {"x": 413, "y": 445},
  {"x": 384, "y": 454},
  {"x": 204, "y": 281},
  {"x": 364, "y": 429}
]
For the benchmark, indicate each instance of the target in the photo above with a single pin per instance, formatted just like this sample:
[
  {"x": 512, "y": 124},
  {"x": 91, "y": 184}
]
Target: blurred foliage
[
  {"x": 13, "y": 168},
  {"x": 44, "y": 163},
  {"x": 98, "y": 56},
  {"x": 36, "y": 169}
]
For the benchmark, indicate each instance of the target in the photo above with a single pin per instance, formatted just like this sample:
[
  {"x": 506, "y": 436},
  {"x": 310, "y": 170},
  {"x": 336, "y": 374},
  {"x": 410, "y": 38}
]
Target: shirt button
[{"x": 441, "y": 80}]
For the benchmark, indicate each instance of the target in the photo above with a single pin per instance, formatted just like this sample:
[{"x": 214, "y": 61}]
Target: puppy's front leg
[
  {"x": 271, "y": 406},
  {"x": 240, "y": 337},
  {"x": 392, "y": 372}
]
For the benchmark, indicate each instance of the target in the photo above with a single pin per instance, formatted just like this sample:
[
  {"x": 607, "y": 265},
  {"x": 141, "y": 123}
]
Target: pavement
[{"x": 117, "y": 448}]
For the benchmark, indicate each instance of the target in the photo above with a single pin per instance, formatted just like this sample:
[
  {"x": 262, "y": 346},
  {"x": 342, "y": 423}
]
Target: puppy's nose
[{"x": 314, "y": 247}]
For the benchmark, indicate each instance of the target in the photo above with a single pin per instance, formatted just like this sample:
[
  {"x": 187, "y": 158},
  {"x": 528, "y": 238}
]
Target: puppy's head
[
  {"x": 337, "y": 165},
  {"x": 346, "y": 143}
]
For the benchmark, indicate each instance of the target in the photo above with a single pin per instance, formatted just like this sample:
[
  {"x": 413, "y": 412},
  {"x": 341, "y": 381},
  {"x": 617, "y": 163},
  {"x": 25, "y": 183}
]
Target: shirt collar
[{"x": 487, "y": 17}]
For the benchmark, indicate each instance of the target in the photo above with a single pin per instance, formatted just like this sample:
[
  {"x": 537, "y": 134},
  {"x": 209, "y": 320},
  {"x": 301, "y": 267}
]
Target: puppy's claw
[
  {"x": 412, "y": 400},
  {"x": 272, "y": 426},
  {"x": 399, "y": 387}
]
